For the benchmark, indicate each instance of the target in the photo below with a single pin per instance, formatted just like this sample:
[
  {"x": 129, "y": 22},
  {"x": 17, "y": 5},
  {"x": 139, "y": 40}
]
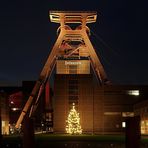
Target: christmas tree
[{"x": 73, "y": 122}]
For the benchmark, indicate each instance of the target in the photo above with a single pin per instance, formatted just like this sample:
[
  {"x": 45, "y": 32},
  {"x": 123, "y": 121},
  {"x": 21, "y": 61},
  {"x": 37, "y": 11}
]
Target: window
[
  {"x": 127, "y": 114},
  {"x": 133, "y": 92},
  {"x": 144, "y": 127},
  {"x": 73, "y": 82},
  {"x": 124, "y": 124},
  {"x": 112, "y": 113},
  {"x": 73, "y": 87},
  {"x": 73, "y": 92},
  {"x": 73, "y": 97}
]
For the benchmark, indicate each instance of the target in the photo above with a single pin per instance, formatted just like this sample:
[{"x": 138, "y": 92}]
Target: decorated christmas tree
[{"x": 73, "y": 122}]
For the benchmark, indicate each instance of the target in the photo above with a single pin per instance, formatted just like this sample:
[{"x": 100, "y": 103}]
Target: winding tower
[{"x": 71, "y": 54}]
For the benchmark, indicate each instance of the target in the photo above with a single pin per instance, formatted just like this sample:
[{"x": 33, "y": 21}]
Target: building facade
[
  {"x": 103, "y": 109},
  {"x": 12, "y": 100},
  {"x": 9, "y": 111}
]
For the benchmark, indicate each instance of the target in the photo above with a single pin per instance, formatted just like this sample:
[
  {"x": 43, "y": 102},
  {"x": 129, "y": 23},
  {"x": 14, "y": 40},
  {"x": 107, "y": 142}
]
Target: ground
[{"x": 69, "y": 141}]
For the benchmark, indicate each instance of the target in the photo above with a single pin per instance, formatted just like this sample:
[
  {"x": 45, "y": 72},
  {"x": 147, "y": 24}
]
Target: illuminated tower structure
[
  {"x": 75, "y": 64},
  {"x": 74, "y": 57},
  {"x": 102, "y": 107}
]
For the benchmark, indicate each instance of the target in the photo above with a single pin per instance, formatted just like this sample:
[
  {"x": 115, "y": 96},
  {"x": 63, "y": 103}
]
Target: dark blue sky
[{"x": 27, "y": 35}]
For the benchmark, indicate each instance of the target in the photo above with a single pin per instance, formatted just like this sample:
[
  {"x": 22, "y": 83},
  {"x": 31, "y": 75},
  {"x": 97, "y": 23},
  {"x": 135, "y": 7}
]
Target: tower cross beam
[{"x": 72, "y": 16}]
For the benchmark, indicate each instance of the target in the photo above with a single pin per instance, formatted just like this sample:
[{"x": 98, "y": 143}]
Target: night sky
[{"x": 119, "y": 36}]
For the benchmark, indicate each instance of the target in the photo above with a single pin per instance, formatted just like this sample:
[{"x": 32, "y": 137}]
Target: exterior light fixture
[
  {"x": 12, "y": 102},
  {"x": 15, "y": 109}
]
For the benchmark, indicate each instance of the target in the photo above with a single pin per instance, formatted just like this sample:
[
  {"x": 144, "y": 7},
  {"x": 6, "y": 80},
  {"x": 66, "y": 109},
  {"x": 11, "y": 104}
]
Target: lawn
[
  {"x": 83, "y": 137},
  {"x": 60, "y": 140}
]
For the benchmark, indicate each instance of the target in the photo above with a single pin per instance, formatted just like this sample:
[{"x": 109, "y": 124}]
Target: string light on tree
[{"x": 73, "y": 122}]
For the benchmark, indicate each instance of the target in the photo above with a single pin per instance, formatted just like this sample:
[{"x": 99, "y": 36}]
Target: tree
[{"x": 73, "y": 122}]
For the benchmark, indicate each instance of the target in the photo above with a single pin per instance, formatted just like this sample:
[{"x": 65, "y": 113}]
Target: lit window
[
  {"x": 3, "y": 123},
  {"x": 127, "y": 114},
  {"x": 144, "y": 127},
  {"x": 123, "y": 124},
  {"x": 112, "y": 113},
  {"x": 133, "y": 92}
]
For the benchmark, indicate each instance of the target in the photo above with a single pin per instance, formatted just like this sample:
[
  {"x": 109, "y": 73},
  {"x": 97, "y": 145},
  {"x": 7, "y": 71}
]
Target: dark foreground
[{"x": 66, "y": 141}]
